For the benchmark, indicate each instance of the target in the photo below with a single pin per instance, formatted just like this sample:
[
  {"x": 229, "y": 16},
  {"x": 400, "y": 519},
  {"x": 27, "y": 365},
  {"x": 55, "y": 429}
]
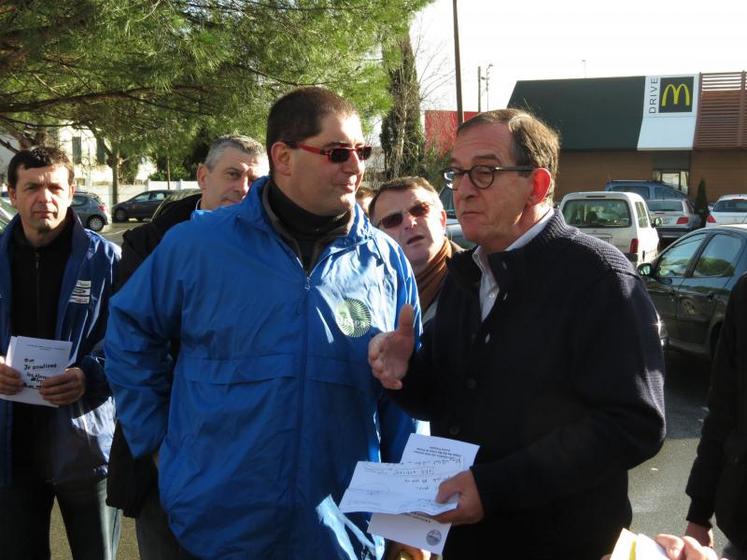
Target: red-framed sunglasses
[{"x": 335, "y": 155}]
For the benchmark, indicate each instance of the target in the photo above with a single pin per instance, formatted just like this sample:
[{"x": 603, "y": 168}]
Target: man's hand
[
  {"x": 702, "y": 534},
  {"x": 686, "y": 548},
  {"x": 397, "y": 551},
  {"x": 10, "y": 379},
  {"x": 65, "y": 388},
  {"x": 469, "y": 509},
  {"x": 389, "y": 353}
]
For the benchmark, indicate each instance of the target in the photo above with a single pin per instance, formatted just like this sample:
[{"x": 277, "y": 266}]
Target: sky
[{"x": 561, "y": 39}]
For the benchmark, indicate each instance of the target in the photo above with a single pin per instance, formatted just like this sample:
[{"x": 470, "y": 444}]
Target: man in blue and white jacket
[
  {"x": 55, "y": 282},
  {"x": 272, "y": 401}
]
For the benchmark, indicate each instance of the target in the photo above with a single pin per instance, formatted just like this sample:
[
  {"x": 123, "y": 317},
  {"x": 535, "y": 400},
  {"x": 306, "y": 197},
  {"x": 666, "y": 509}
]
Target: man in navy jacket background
[{"x": 55, "y": 283}]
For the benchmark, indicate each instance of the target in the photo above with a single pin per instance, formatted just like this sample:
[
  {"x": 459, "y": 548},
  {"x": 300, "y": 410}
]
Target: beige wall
[
  {"x": 725, "y": 171},
  {"x": 590, "y": 171}
]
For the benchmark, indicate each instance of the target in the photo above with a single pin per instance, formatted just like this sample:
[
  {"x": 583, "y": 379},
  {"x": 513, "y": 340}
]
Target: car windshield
[
  {"x": 731, "y": 205},
  {"x": 665, "y": 205},
  {"x": 597, "y": 213}
]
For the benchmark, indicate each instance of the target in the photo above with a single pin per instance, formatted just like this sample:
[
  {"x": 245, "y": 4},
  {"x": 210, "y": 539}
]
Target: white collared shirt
[{"x": 489, "y": 288}]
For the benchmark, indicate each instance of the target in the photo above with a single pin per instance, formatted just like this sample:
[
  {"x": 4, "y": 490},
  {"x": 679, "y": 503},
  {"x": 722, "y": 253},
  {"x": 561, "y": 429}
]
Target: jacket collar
[
  {"x": 509, "y": 267},
  {"x": 252, "y": 211}
]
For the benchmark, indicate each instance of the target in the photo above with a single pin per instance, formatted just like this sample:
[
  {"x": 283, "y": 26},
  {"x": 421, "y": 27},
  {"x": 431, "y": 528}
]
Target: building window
[
  {"x": 100, "y": 151},
  {"x": 679, "y": 178},
  {"x": 77, "y": 150}
]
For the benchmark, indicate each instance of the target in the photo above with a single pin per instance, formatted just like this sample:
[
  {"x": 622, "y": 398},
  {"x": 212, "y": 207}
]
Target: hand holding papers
[
  {"x": 442, "y": 458},
  {"x": 630, "y": 546},
  {"x": 396, "y": 488},
  {"x": 36, "y": 360}
]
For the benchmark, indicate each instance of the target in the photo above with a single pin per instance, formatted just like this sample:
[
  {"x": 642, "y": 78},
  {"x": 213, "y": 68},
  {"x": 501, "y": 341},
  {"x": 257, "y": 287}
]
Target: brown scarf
[{"x": 432, "y": 276}]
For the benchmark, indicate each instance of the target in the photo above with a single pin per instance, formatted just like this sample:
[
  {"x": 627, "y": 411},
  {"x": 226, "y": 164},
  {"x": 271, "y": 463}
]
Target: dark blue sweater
[{"x": 561, "y": 386}]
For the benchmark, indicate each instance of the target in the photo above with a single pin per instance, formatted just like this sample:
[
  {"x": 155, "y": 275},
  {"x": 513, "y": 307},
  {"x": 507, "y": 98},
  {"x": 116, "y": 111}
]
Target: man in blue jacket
[
  {"x": 55, "y": 281},
  {"x": 274, "y": 300}
]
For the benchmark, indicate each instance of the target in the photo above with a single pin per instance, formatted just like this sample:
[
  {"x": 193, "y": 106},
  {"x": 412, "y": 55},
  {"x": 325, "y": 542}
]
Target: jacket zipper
[{"x": 38, "y": 291}]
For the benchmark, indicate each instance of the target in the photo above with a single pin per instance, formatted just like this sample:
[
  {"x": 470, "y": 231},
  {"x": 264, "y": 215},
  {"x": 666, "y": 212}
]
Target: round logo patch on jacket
[{"x": 353, "y": 317}]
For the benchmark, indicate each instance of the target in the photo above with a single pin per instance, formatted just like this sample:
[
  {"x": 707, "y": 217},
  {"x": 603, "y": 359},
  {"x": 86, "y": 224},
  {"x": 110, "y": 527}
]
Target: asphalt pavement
[{"x": 657, "y": 487}]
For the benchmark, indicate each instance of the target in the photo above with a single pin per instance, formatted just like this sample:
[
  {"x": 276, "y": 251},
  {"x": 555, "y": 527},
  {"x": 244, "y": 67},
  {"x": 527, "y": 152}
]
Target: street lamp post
[
  {"x": 458, "y": 65},
  {"x": 487, "y": 87},
  {"x": 479, "y": 89}
]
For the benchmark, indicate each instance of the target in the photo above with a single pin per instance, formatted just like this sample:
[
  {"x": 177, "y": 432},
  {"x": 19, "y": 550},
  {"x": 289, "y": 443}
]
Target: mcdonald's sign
[{"x": 676, "y": 95}]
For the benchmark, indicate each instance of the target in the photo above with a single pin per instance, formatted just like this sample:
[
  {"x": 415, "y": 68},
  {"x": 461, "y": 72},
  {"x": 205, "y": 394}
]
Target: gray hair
[{"x": 237, "y": 141}]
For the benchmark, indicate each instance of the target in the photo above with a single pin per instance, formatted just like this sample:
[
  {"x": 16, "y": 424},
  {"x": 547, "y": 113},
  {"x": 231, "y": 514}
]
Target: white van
[{"x": 619, "y": 218}]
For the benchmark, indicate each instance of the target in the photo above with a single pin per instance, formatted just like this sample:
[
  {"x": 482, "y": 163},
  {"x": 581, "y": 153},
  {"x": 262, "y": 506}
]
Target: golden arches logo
[{"x": 675, "y": 91}]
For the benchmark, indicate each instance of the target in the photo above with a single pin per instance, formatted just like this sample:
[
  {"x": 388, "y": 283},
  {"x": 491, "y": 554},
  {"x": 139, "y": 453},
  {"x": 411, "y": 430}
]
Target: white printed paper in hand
[
  {"x": 36, "y": 359},
  {"x": 396, "y": 488},
  {"x": 418, "y": 530}
]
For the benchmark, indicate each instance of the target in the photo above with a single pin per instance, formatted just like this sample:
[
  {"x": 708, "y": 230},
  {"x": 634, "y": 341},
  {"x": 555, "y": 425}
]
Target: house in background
[{"x": 88, "y": 156}]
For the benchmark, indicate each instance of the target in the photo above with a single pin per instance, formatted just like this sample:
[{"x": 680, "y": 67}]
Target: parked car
[
  {"x": 92, "y": 212},
  {"x": 678, "y": 217},
  {"x": 690, "y": 283},
  {"x": 140, "y": 206},
  {"x": 3, "y": 222},
  {"x": 453, "y": 227},
  {"x": 172, "y": 197},
  {"x": 648, "y": 190},
  {"x": 620, "y": 218},
  {"x": 6, "y": 209},
  {"x": 729, "y": 209}
]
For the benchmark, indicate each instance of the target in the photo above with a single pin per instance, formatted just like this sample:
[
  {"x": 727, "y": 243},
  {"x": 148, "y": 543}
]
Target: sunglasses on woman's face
[{"x": 393, "y": 220}]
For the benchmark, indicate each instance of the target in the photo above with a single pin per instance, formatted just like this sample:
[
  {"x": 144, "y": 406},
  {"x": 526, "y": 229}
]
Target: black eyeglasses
[
  {"x": 393, "y": 220},
  {"x": 482, "y": 176},
  {"x": 335, "y": 155}
]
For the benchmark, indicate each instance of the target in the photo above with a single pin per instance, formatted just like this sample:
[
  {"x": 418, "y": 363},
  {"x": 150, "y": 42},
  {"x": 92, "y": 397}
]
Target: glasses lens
[
  {"x": 481, "y": 176},
  {"x": 419, "y": 210},
  {"x": 392, "y": 220},
  {"x": 339, "y": 155}
]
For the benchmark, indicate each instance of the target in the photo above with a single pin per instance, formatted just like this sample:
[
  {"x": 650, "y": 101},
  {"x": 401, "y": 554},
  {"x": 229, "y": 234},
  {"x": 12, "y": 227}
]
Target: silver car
[
  {"x": 92, "y": 212},
  {"x": 6, "y": 209},
  {"x": 678, "y": 217}
]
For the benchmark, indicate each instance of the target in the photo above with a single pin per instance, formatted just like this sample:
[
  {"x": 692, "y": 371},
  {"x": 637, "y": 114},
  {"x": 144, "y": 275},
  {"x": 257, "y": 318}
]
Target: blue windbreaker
[
  {"x": 273, "y": 401},
  {"x": 81, "y": 433}
]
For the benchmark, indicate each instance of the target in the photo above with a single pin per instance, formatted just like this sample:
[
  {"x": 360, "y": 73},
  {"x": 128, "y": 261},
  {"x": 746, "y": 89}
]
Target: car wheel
[
  {"x": 95, "y": 223},
  {"x": 120, "y": 215}
]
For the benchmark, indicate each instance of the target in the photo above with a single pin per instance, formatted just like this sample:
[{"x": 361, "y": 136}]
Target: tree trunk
[{"x": 115, "y": 174}]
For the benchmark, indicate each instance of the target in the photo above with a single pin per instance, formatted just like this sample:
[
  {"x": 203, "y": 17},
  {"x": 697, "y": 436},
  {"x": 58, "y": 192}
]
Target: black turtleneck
[
  {"x": 36, "y": 275},
  {"x": 310, "y": 232},
  {"x": 37, "y": 279}
]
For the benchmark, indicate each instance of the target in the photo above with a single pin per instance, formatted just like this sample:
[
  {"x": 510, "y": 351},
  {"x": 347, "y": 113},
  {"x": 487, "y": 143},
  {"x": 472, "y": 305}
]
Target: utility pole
[
  {"x": 479, "y": 89},
  {"x": 458, "y": 65},
  {"x": 487, "y": 87}
]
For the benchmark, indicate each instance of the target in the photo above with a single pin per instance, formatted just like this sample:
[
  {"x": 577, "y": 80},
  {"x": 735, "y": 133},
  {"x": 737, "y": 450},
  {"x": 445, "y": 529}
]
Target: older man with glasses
[
  {"x": 544, "y": 352},
  {"x": 410, "y": 211}
]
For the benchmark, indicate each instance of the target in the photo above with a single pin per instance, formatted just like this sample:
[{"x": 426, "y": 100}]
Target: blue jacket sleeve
[
  {"x": 144, "y": 316},
  {"x": 92, "y": 361}
]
